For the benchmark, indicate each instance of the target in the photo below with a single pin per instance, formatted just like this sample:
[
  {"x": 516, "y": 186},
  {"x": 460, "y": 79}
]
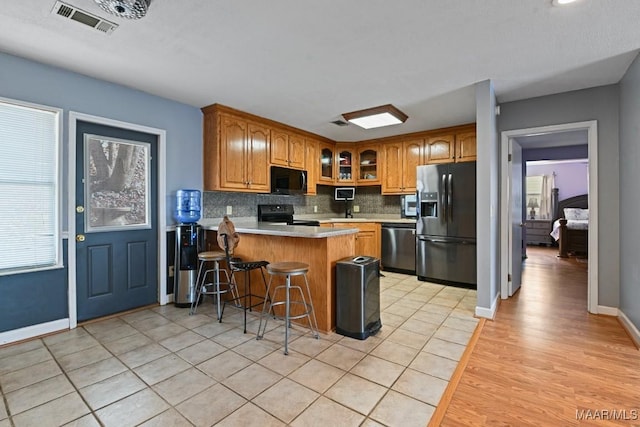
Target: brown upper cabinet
[
  {"x": 327, "y": 152},
  {"x": 368, "y": 161},
  {"x": 239, "y": 148},
  {"x": 311, "y": 160},
  {"x": 287, "y": 149},
  {"x": 399, "y": 162},
  {"x": 466, "y": 148},
  {"x": 346, "y": 166},
  {"x": 235, "y": 154},
  {"x": 439, "y": 149},
  {"x": 449, "y": 148}
]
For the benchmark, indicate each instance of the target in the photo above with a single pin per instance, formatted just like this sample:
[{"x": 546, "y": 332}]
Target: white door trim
[
  {"x": 505, "y": 238},
  {"x": 74, "y": 117}
]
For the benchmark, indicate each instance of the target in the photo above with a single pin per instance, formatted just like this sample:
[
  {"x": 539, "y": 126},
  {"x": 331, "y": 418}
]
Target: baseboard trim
[
  {"x": 445, "y": 400},
  {"x": 608, "y": 311},
  {"x": 489, "y": 313},
  {"x": 631, "y": 329},
  {"x": 33, "y": 331}
]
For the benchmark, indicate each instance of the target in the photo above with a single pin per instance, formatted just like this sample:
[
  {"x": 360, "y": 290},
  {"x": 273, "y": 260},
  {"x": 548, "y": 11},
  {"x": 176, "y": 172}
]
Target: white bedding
[{"x": 574, "y": 224}]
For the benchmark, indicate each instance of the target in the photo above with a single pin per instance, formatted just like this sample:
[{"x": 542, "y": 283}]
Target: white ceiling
[{"x": 305, "y": 62}]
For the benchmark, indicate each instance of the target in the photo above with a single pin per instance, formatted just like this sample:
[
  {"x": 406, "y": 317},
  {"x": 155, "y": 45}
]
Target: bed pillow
[{"x": 576, "y": 214}]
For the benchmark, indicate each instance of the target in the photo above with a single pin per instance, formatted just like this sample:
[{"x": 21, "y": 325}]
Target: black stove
[{"x": 282, "y": 214}]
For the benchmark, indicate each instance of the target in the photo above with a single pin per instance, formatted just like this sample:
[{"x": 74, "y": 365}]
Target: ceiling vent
[
  {"x": 71, "y": 12},
  {"x": 340, "y": 123}
]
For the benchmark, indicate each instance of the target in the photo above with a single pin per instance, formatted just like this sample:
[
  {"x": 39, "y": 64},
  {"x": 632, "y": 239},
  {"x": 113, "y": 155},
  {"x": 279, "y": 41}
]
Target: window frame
[{"x": 58, "y": 187}]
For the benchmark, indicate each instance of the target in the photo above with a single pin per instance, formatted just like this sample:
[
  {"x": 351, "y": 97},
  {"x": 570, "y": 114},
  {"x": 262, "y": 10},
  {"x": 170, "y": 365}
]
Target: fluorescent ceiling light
[
  {"x": 562, "y": 2},
  {"x": 384, "y": 115}
]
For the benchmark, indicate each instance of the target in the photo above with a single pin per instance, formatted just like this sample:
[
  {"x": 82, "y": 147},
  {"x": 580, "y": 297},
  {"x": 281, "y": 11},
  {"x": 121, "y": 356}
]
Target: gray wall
[
  {"x": 487, "y": 191},
  {"x": 25, "y": 80},
  {"x": 630, "y": 202},
  {"x": 601, "y": 104}
]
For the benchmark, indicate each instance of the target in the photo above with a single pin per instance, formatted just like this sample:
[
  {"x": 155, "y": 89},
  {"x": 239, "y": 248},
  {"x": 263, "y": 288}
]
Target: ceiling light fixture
[
  {"x": 130, "y": 9},
  {"x": 562, "y": 2},
  {"x": 384, "y": 115}
]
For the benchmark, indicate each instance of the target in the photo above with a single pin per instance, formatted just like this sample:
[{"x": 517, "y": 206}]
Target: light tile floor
[{"x": 162, "y": 367}]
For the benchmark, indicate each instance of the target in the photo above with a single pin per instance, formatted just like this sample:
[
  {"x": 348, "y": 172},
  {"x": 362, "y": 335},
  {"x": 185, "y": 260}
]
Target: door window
[{"x": 116, "y": 184}]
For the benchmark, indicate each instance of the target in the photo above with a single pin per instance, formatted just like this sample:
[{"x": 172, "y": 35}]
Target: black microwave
[{"x": 288, "y": 181}]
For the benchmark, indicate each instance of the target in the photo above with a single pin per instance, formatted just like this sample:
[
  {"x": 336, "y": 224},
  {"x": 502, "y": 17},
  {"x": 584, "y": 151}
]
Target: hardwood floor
[{"x": 545, "y": 360}]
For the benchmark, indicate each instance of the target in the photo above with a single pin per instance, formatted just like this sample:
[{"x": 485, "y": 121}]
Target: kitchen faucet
[{"x": 347, "y": 211}]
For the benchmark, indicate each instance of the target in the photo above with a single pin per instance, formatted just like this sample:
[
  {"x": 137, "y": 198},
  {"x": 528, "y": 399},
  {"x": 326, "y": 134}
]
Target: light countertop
[
  {"x": 255, "y": 227},
  {"x": 252, "y": 226},
  {"x": 366, "y": 219}
]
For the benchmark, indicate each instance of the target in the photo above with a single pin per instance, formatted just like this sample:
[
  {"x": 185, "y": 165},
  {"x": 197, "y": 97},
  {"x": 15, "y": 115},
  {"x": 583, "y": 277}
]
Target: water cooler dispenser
[{"x": 189, "y": 241}]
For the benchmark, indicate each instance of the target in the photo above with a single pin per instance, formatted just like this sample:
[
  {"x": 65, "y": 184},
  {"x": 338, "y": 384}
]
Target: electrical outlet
[
  {"x": 315, "y": 208},
  {"x": 229, "y": 210},
  {"x": 171, "y": 270},
  {"x": 356, "y": 208}
]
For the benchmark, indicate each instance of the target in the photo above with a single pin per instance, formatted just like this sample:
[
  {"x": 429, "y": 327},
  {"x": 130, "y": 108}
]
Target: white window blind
[{"x": 29, "y": 187}]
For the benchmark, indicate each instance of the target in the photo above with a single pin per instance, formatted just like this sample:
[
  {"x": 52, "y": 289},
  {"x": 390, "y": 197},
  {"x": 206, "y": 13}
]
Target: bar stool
[
  {"x": 238, "y": 265},
  {"x": 216, "y": 287},
  {"x": 289, "y": 269}
]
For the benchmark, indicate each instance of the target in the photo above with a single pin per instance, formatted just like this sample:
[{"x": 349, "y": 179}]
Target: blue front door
[{"x": 116, "y": 220}]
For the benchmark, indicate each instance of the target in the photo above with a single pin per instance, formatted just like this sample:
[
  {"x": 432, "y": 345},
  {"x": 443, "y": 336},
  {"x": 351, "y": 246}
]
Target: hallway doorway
[{"x": 545, "y": 135}]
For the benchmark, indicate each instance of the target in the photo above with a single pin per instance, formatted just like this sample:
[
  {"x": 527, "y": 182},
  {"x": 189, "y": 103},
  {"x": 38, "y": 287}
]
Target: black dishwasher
[{"x": 399, "y": 247}]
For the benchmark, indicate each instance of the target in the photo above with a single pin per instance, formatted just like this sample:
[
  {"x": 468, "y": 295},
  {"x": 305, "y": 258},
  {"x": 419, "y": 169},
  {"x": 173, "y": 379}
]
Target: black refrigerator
[{"x": 446, "y": 224}]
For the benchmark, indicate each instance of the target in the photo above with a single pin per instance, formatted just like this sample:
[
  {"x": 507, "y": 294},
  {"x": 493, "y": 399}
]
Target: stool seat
[
  {"x": 211, "y": 256},
  {"x": 288, "y": 267},
  {"x": 245, "y": 302},
  {"x": 216, "y": 287},
  {"x": 293, "y": 308}
]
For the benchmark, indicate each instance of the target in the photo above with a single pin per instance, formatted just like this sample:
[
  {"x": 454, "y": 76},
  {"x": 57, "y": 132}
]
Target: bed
[{"x": 571, "y": 226}]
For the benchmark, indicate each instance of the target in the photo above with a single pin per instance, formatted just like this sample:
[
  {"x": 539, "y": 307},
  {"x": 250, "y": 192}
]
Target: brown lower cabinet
[{"x": 368, "y": 237}]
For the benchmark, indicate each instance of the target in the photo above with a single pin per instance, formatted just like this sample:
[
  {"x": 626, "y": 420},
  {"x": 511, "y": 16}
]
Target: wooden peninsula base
[{"x": 321, "y": 253}]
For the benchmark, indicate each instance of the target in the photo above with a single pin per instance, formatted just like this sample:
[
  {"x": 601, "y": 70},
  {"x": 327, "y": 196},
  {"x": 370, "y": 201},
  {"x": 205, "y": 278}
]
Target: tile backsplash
[{"x": 369, "y": 199}]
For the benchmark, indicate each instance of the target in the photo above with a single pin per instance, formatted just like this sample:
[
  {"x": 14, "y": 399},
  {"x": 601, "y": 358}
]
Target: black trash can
[{"x": 358, "y": 296}]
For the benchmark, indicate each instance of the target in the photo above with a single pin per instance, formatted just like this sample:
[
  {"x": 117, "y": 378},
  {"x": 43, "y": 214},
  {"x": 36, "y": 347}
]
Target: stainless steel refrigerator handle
[
  {"x": 443, "y": 201},
  {"x": 429, "y": 239},
  {"x": 450, "y": 196}
]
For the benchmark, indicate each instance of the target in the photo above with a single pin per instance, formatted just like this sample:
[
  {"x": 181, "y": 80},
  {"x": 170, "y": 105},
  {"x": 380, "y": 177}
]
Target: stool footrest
[
  {"x": 307, "y": 310},
  {"x": 238, "y": 301}
]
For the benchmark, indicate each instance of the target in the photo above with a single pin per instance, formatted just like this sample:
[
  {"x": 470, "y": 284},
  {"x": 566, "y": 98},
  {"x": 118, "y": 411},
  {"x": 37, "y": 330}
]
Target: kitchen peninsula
[{"x": 320, "y": 247}]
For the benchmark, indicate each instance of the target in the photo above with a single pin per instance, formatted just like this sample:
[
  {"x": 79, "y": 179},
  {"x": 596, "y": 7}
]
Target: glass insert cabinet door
[
  {"x": 326, "y": 164},
  {"x": 116, "y": 184},
  {"x": 345, "y": 172}
]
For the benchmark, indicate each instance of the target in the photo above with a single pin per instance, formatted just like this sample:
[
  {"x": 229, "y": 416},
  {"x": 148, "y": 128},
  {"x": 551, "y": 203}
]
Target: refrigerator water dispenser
[{"x": 429, "y": 205}]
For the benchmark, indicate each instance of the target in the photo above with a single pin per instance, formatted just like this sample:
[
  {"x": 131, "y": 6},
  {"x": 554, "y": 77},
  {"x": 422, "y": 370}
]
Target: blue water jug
[{"x": 187, "y": 206}]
